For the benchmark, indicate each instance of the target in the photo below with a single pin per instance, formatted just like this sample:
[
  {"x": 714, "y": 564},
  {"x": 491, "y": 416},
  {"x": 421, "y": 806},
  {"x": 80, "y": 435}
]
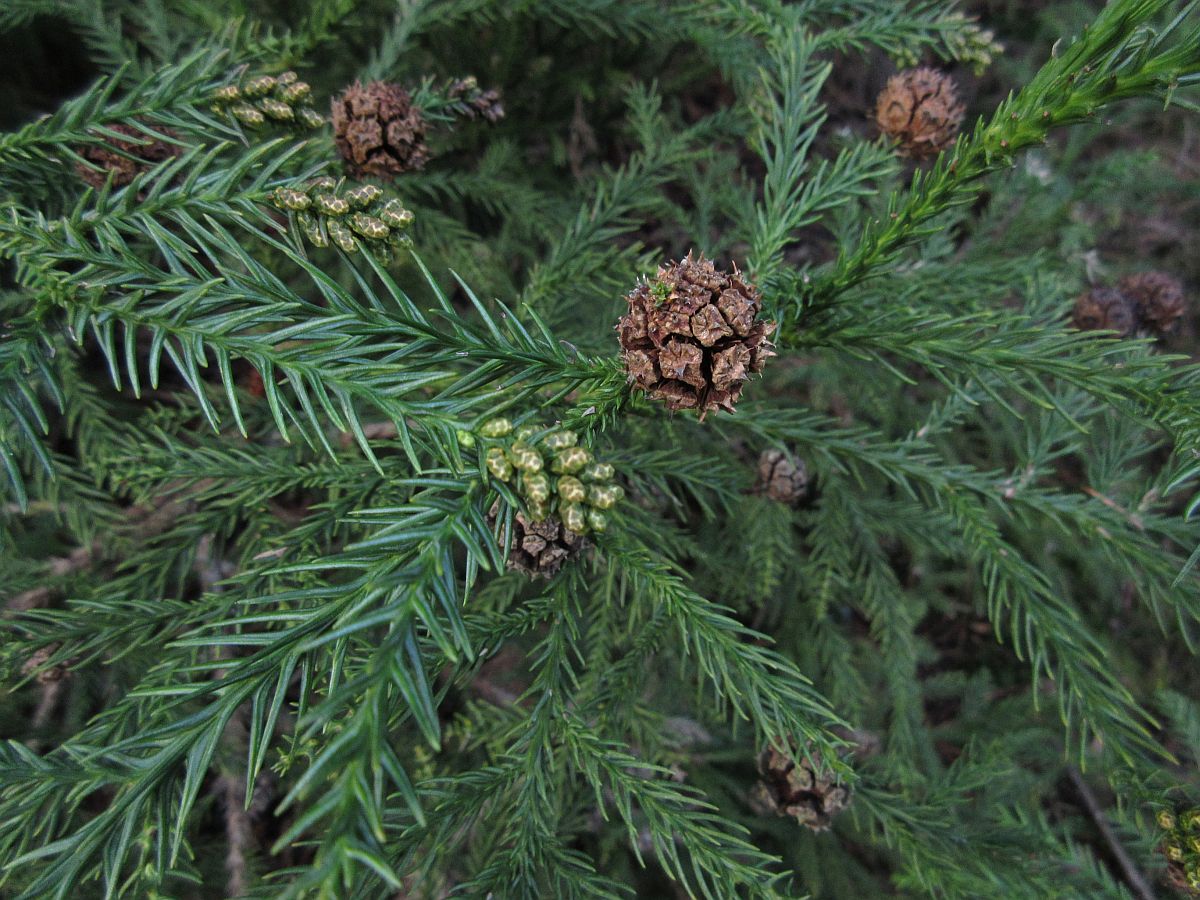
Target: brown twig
[
  {"x": 1133, "y": 877},
  {"x": 237, "y": 835}
]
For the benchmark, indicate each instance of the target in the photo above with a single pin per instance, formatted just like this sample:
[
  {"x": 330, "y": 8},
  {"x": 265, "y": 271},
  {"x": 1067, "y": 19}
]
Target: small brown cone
[
  {"x": 920, "y": 109},
  {"x": 38, "y": 659},
  {"x": 1105, "y": 309},
  {"x": 474, "y": 102},
  {"x": 798, "y": 790},
  {"x": 1157, "y": 297},
  {"x": 782, "y": 477},
  {"x": 540, "y": 549},
  {"x": 692, "y": 337},
  {"x": 125, "y": 160},
  {"x": 378, "y": 130}
]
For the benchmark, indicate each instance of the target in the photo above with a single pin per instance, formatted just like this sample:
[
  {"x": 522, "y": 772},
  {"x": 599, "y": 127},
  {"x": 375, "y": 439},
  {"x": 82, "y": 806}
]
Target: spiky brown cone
[
  {"x": 1157, "y": 297},
  {"x": 378, "y": 130},
  {"x": 474, "y": 102},
  {"x": 812, "y": 798},
  {"x": 1105, "y": 309},
  {"x": 782, "y": 477},
  {"x": 143, "y": 153},
  {"x": 920, "y": 109},
  {"x": 691, "y": 337},
  {"x": 540, "y": 549}
]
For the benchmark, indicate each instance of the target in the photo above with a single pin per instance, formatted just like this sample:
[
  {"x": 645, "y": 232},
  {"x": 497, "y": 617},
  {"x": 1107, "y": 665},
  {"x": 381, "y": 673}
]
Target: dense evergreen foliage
[{"x": 916, "y": 617}]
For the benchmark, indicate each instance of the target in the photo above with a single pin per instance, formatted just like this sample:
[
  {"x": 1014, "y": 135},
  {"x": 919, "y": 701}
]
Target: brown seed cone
[
  {"x": 541, "y": 548},
  {"x": 691, "y": 337},
  {"x": 1157, "y": 297},
  {"x": 812, "y": 798},
  {"x": 475, "y": 103},
  {"x": 920, "y": 109},
  {"x": 782, "y": 477},
  {"x": 1177, "y": 877},
  {"x": 1105, "y": 309},
  {"x": 378, "y": 131},
  {"x": 39, "y": 659},
  {"x": 144, "y": 150}
]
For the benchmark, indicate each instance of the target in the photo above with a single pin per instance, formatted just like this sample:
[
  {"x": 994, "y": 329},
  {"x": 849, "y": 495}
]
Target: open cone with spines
[
  {"x": 799, "y": 787},
  {"x": 692, "y": 336},
  {"x": 378, "y": 130},
  {"x": 920, "y": 110}
]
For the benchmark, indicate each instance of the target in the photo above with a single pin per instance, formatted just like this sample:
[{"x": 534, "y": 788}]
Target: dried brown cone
[
  {"x": 1157, "y": 297},
  {"x": 800, "y": 791},
  {"x": 475, "y": 103},
  {"x": 692, "y": 337},
  {"x": 920, "y": 109},
  {"x": 38, "y": 659},
  {"x": 378, "y": 130},
  {"x": 1177, "y": 877},
  {"x": 782, "y": 477},
  {"x": 143, "y": 152},
  {"x": 540, "y": 549},
  {"x": 1105, "y": 309}
]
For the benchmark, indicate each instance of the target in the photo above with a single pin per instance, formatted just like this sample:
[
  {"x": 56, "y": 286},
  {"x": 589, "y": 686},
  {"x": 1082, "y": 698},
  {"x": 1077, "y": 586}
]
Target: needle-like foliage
[{"x": 261, "y": 636}]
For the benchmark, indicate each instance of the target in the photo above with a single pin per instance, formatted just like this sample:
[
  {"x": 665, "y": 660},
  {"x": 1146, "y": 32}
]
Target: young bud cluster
[
  {"x": 1181, "y": 846},
  {"x": 348, "y": 217},
  {"x": 269, "y": 99},
  {"x": 554, "y": 476}
]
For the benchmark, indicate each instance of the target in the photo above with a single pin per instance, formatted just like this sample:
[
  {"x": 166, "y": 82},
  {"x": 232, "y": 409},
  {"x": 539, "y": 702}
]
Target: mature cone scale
[
  {"x": 125, "y": 160},
  {"x": 1157, "y": 298},
  {"x": 378, "y": 130},
  {"x": 920, "y": 109},
  {"x": 1105, "y": 309},
  {"x": 782, "y": 477},
  {"x": 540, "y": 548},
  {"x": 812, "y": 798},
  {"x": 691, "y": 337}
]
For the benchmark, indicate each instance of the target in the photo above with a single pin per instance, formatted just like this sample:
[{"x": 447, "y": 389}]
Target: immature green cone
[
  {"x": 378, "y": 130},
  {"x": 554, "y": 476},
  {"x": 353, "y": 217},
  {"x": 920, "y": 109},
  {"x": 692, "y": 337},
  {"x": 1181, "y": 847},
  {"x": 283, "y": 100},
  {"x": 800, "y": 790}
]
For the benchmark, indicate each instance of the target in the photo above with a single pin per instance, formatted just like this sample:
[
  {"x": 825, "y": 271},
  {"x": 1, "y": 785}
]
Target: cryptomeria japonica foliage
[{"x": 598, "y": 448}]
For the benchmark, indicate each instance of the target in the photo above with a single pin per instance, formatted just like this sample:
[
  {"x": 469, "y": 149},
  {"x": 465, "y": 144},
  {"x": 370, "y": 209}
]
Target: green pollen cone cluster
[
  {"x": 280, "y": 99},
  {"x": 1181, "y": 847},
  {"x": 552, "y": 474},
  {"x": 347, "y": 217}
]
